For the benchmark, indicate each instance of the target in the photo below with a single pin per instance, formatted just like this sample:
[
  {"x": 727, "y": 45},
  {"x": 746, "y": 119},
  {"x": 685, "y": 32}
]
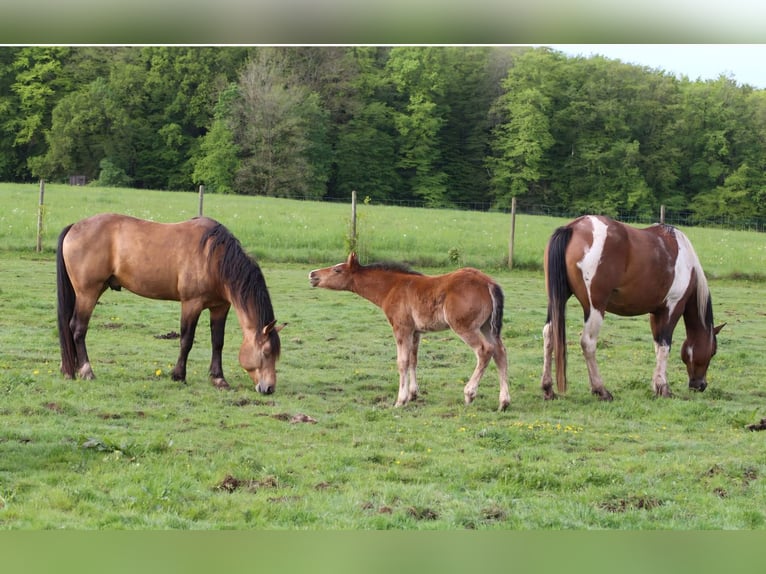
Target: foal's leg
[
  {"x": 588, "y": 342},
  {"x": 217, "y": 332},
  {"x": 484, "y": 351},
  {"x": 546, "y": 381},
  {"x": 500, "y": 356},
  {"x": 403, "y": 356},
  {"x": 190, "y": 313},
  {"x": 414, "y": 390}
]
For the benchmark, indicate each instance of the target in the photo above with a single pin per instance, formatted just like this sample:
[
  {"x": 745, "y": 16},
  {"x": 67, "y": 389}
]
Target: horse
[
  {"x": 613, "y": 267},
  {"x": 466, "y": 301},
  {"x": 197, "y": 262}
]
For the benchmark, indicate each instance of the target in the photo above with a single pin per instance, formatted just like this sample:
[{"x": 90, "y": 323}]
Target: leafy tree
[
  {"x": 419, "y": 76},
  {"x": 217, "y": 161},
  {"x": 365, "y": 155},
  {"x": 279, "y": 129}
]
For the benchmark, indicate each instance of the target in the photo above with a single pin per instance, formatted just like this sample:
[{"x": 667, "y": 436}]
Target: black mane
[
  {"x": 242, "y": 275},
  {"x": 392, "y": 266}
]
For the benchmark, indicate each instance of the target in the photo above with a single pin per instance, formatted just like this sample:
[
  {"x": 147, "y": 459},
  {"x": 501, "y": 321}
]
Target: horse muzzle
[
  {"x": 313, "y": 279},
  {"x": 697, "y": 384},
  {"x": 265, "y": 388}
]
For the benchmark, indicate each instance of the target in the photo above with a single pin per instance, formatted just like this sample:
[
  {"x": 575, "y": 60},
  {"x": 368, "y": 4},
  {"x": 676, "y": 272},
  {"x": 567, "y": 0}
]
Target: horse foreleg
[
  {"x": 413, "y": 390},
  {"x": 189, "y": 316},
  {"x": 662, "y": 332},
  {"x": 403, "y": 356},
  {"x": 546, "y": 381},
  {"x": 217, "y": 331},
  {"x": 659, "y": 378},
  {"x": 588, "y": 342}
]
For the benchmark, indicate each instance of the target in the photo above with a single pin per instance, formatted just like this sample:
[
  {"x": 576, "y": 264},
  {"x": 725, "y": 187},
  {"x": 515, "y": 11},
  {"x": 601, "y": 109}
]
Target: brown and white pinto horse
[
  {"x": 197, "y": 262},
  {"x": 610, "y": 266},
  {"x": 466, "y": 301}
]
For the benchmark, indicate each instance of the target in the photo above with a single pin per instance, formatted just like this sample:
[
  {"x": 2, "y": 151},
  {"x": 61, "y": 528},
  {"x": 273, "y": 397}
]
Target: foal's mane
[
  {"x": 242, "y": 275},
  {"x": 391, "y": 266}
]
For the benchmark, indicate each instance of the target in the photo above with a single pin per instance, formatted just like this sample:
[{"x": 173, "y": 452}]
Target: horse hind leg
[
  {"x": 79, "y": 326},
  {"x": 484, "y": 351},
  {"x": 500, "y": 356},
  {"x": 546, "y": 380},
  {"x": 588, "y": 342}
]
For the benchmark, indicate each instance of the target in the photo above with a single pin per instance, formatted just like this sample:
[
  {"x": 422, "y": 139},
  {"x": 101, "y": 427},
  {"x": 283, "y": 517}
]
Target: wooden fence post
[
  {"x": 513, "y": 233},
  {"x": 662, "y": 214},
  {"x": 201, "y": 198},
  {"x": 40, "y": 209},
  {"x": 353, "y": 220}
]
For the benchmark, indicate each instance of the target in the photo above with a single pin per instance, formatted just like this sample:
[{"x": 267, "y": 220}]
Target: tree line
[{"x": 442, "y": 126}]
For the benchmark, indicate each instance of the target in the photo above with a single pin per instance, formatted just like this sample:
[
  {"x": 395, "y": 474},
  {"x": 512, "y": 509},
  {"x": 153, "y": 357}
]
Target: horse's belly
[{"x": 630, "y": 306}]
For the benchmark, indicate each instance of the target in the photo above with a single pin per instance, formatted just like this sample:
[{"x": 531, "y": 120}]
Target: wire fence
[{"x": 678, "y": 218}]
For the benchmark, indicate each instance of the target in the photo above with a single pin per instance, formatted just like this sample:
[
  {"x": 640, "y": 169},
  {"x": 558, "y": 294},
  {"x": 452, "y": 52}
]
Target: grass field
[{"x": 135, "y": 450}]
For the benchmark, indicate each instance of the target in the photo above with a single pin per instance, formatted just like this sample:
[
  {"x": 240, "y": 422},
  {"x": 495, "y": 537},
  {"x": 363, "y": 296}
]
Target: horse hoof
[
  {"x": 221, "y": 384},
  {"x": 550, "y": 396},
  {"x": 502, "y": 407},
  {"x": 604, "y": 395}
]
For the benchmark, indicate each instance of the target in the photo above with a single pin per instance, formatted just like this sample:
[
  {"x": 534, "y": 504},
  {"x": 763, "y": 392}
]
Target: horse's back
[
  {"x": 620, "y": 268},
  {"x": 439, "y": 302},
  {"x": 146, "y": 257}
]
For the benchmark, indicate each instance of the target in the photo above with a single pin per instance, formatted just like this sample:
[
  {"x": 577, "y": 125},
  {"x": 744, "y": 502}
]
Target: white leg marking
[
  {"x": 588, "y": 342},
  {"x": 659, "y": 379},
  {"x": 546, "y": 381}
]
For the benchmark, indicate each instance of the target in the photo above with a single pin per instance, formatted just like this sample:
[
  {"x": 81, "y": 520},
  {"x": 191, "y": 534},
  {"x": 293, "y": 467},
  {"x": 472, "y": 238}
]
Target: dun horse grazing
[
  {"x": 466, "y": 301},
  {"x": 613, "y": 267},
  {"x": 197, "y": 262}
]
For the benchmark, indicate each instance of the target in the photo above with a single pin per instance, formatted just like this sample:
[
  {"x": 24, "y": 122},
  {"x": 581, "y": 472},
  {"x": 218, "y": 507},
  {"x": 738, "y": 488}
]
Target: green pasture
[{"x": 135, "y": 450}]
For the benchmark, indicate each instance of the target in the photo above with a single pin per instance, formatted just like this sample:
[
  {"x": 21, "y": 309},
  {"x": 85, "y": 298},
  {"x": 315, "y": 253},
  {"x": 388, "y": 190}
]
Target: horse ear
[
  {"x": 268, "y": 328},
  {"x": 717, "y": 330},
  {"x": 352, "y": 259}
]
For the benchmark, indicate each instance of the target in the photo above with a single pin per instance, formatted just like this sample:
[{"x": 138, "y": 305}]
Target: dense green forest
[{"x": 437, "y": 126}]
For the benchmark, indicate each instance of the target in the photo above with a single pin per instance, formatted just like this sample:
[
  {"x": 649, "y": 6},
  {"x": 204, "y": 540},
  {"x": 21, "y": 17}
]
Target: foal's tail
[
  {"x": 496, "y": 321},
  {"x": 559, "y": 293},
  {"x": 66, "y": 301}
]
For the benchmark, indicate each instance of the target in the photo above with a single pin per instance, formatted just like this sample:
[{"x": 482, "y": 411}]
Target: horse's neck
[
  {"x": 248, "y": 320},
  {"x": 373, "y": 285},
  {"x": 695, "y": 320}
]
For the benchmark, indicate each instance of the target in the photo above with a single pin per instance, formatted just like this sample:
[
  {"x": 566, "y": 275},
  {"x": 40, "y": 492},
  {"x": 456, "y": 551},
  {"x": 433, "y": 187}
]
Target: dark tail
[
  {"x": 559, "y": 293},
  {"x": 498, "y": 300},
  {"x": 66, "y": 301}
]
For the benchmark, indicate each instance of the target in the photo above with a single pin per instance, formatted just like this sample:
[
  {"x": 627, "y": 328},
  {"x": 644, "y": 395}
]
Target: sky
[{"x": 746, "y": 63}]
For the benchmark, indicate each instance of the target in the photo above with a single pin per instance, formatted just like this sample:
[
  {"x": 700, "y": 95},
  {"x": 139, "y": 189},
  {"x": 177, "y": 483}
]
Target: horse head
[
  {"x": 696, "y": 352},
  {"x": 338, "y": 277},
  {"x": 258, "y": 356}
]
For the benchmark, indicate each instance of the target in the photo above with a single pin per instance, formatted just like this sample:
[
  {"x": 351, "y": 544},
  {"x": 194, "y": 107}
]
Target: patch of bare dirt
[
  {"x": 231, "y": 483},
  {"x": 170, "y": 335},
  {"x": 631, "y": 503}
]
